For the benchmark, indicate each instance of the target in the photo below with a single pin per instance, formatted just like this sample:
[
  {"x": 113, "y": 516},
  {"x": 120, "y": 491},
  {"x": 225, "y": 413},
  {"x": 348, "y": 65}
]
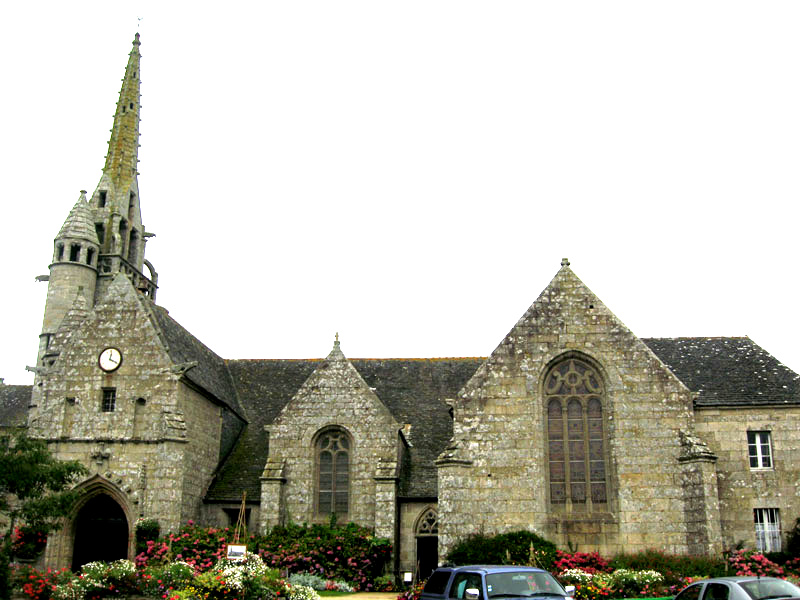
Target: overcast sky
[{"x": 410, "y": 174}]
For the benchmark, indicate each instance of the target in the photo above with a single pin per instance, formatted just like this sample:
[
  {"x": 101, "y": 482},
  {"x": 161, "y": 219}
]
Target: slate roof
[
  {"x": 728, "y": 371},
  {"x": 413, "y": 390},
  {"x": 14, "y": 400},
  {"x": 211, "y": 373}
]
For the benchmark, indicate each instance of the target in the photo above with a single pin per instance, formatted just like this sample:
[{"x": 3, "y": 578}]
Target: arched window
[
  {"x": 573, "y": 393},
  {"x": 333, "y": 449}
]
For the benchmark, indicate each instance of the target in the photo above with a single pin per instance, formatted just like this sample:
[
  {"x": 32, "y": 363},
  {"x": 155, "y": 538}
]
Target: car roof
[
  {"x": 737, "y": 578},
  {"x": 497, "y": 568}
]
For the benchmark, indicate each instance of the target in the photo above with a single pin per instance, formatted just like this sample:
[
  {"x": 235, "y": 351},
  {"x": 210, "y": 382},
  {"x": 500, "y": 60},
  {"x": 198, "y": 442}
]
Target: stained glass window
[
  {"x": 333, "y": 472},
  {"x": 577, "y": 466}
]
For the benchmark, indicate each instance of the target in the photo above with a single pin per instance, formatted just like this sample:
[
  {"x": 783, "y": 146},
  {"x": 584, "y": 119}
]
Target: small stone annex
[{"x": 573, "y": 427}]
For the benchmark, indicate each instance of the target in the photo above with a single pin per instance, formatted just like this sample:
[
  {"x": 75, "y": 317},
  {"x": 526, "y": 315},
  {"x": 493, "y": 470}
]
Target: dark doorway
[
  {"x": 101, "y": 532},
  {"x": 427, "y": 556}
]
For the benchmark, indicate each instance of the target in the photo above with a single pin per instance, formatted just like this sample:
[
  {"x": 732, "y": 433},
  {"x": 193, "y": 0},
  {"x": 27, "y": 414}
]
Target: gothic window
[
  {"x": 101, "y": 200},
  {"x": 428, "y": 523},
  {"x": 89, "y": 256},
  {"x": 74, "y": 252},
  {"x": 59, "y": 251},
  {"x": 333, "y": 449},
  {"x": 574, "y": 403}
]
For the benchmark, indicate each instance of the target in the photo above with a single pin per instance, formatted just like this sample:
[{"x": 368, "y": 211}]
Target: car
[
  {"x": 482, "y": 582},
  {"x": 739, "y": 588}
]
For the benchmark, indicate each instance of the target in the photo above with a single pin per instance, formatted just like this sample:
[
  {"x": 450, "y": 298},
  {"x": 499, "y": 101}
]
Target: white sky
[{"x": 410, "y": 174}]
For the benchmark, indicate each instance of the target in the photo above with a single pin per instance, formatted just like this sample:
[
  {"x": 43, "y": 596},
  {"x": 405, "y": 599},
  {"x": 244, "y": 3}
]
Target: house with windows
[{"x": 573, "y": 427}]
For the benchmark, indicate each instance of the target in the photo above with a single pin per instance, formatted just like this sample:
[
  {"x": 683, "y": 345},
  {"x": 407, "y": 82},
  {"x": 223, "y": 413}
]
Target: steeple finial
[{"x": 123, "y": 147}]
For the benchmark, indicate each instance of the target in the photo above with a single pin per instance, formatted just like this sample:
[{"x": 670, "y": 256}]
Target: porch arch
[{"x": 100, "y": 527}]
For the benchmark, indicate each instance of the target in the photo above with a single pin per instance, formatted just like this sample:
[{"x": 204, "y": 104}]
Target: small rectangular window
[
  {"x": 759, "y": 448},
  {"x": 101, "y": 201},
  {"x": 74, "y": 252},
  {"x": 768, "y": 529},
  {"x": 109, "y": 399}
]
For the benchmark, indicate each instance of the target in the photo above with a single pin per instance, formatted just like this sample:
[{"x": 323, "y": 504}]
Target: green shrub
[
  {"x": 671, "y": 566},
  {"x": 517, "y": 548},
  {"x": 315, "y": 582}
]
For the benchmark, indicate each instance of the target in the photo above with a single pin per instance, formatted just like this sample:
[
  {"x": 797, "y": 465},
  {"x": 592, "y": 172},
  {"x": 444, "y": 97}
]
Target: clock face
[{"x": 110, "y": 359}]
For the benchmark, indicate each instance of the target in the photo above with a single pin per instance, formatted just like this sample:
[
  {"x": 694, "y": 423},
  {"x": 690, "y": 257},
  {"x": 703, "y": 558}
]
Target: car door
[{"x": 463, "y": 582}]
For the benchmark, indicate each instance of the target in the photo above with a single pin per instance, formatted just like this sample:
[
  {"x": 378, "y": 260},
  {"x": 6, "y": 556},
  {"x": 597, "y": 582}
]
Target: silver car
[{"x": 739, "y": 588}]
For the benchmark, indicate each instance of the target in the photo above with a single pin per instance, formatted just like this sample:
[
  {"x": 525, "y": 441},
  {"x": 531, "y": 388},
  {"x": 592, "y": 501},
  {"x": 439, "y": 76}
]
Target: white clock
[{"x": 110, "y": 359}]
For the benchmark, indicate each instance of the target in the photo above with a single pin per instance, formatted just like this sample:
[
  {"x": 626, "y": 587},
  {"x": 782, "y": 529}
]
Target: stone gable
[
  {"x": 497, "y": 466},
  {"x": 334, "y": 396}
]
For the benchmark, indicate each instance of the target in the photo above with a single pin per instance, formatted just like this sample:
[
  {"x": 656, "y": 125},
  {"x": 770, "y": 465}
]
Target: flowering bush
[
  {"x": 622, "y": 583},
  {"x": 340, "y": 553},
  {"x": 745, "y": 562},
  {"x": 159, "y": 580},
  {"x": 590, "y": 562},
  {"x": 42, "y": 585},
  {"x": 413, "y": 593},
  {"x": 28, "y": 541},
  {"x": 301, "y": 592},
  {"x": 99, "y": 579}
]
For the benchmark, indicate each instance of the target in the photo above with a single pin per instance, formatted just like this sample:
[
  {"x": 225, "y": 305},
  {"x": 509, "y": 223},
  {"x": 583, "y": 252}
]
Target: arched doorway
[
  {"x": 427, "y": 531},
  {"x": 101, "y": 532}
]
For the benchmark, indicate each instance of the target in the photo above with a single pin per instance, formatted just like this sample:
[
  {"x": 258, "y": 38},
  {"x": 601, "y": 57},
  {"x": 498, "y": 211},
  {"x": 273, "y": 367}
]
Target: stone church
[{"x": 574, "y": 427}]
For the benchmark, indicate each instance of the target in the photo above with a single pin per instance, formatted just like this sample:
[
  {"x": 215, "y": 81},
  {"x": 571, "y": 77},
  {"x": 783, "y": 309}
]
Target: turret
[{"x": 73, "y": 271}]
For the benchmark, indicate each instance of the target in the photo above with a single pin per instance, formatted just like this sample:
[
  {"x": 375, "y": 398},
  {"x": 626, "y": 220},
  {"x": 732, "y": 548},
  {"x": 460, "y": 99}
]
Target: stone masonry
[{"x": 573, "y": 427}]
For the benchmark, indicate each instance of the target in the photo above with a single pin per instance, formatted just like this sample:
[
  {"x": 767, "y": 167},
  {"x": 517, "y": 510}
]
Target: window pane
[{"x": 575, "y": 386}]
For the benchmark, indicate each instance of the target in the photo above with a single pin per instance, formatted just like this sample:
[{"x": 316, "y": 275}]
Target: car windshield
[
  {"x": 768, "y": 588},
  {"x": 522, "y": 584}
]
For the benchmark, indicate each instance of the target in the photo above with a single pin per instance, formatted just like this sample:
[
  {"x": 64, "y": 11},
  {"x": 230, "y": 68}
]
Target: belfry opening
[{"x": 101, "y": 532}]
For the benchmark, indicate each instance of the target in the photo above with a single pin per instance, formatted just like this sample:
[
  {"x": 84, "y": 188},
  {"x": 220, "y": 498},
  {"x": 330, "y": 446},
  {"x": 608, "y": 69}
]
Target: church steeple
[
  {"x": 123, "y": 147},
  {"x": 115, "y": 202}
]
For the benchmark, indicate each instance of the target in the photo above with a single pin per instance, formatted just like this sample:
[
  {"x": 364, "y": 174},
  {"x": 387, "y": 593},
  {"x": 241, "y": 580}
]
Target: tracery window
[
  {"x": 574, "y": 399},
  {"x": 428, "y": 523},
  {"x": 333, "y": 472}
]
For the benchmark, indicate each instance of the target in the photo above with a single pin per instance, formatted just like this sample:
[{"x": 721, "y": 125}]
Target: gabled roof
[
  {"x": 728, "y": 371},
  {"x": 414, "y": 391},
  {"x": 14, "y": 401},
  {"x": 211, "y": 374}
]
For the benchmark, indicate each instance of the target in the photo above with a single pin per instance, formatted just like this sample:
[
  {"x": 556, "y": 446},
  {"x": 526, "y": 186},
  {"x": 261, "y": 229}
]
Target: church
[{"x": 573, "y": 427}]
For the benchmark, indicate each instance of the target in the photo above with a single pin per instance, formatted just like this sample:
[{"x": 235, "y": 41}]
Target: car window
[
  {"x": 437, "y": 582},
  {"x": 767, "y": 587},
  {"x": 464, "y": 581},
  {"x": 717, "y": 591},
  {"x": 690, "y": 593},
  {"x": 522, "y": 584}
]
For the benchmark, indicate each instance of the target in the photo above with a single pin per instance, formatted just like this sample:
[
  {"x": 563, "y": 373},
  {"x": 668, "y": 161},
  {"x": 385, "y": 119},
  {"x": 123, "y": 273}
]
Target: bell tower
[{"x": 104, "y": 235}]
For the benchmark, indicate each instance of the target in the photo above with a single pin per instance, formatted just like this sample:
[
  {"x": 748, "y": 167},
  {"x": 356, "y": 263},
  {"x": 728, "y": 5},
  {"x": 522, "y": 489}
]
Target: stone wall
[
  {"x": 742, "y": 489},
  {"x": 335, "y": 395},
  {"x": 410, "y": 513},
  {"x": 495, "y": 478}
]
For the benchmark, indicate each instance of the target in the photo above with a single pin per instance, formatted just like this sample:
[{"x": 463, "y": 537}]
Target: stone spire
[
  {"x": 115, "y": 203},
  {"x": 123, "y": 147}
]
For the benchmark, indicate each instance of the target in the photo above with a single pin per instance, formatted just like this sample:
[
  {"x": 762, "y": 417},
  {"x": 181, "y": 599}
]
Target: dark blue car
[{"x": 482, "y": 582}]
